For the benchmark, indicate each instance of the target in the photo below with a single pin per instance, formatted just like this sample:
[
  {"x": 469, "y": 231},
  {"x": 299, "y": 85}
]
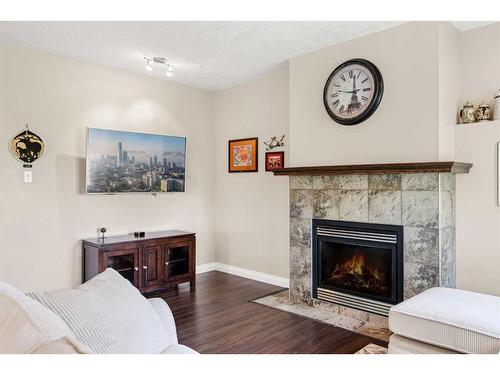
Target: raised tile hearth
[{"x": 420, "y": 200}]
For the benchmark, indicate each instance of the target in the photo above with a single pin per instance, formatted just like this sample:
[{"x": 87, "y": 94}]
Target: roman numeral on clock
[
  {"x": 364, "y": 97},
  {"x": 367, "y": 89},
  {"x": 342, "y": 76},
  {"x": 341, "y": 108},
  {"x": 335, "y": 94},
  {"x": 363, "y": 81},
  {"x": 351, "y": 74},
  {"x": 336, "y": 103}
]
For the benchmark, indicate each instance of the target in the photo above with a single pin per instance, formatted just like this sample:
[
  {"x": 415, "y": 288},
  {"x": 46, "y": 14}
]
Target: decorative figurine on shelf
[
  {"x": 102, "y": 230},
  {"x": 467, "y": 113},
  {"x": 483, "y": 112},
  {"x": 274, "y": 142},
  {"x": 496, "y": 113}
]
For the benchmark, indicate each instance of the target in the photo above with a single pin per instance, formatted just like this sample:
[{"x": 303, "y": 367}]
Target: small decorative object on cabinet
[
  {"x": 353, "y": 91},
  {"x": 483, "y": 112},
  {"x": 275, "y": 160},
  {"x": 496, "y": 113},
  {"x": 151, "y": 263},
  {"x": 243, "y": 155},
  {"x": 466, "y": 114}
]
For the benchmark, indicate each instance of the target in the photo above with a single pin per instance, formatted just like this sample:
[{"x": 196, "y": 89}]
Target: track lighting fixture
[{"x": 150, "y": 61}]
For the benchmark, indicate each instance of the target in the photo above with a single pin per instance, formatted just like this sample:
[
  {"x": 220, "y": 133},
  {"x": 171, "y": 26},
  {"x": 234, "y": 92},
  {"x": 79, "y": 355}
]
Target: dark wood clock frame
[{"x": 378, "y": 92}]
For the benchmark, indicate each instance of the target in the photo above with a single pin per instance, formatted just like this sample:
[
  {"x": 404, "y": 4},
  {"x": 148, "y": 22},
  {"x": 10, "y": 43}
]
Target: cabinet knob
[
  {"x": 145, "y": 267},
  {"x": 166, "y": 263},
  {"x": 136, "y": 269}
]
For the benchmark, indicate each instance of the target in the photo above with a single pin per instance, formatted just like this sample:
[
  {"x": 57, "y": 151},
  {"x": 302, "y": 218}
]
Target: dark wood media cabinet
[{"x": 151, "y": 263}]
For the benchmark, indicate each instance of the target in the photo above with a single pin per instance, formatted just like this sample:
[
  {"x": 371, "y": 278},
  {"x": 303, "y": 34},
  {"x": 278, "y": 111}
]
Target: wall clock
[{"x": 353, "y": 91}]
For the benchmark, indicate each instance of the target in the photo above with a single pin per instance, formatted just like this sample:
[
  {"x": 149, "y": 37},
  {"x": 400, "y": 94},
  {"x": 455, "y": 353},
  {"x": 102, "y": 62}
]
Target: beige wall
[
  {"x": 251, "y": 209},
  {"x": 449, "y": 88},
  {"x": 478, "y": 216},
  {"x": 240, "y": 218},
  {"x": 404, "y": 128},
  {"x": 43, "y": 222},
  {"x": 428, "y": 70}
]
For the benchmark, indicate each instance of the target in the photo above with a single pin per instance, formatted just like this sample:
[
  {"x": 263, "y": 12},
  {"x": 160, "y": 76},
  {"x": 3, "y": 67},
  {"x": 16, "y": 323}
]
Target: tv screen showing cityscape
[{"x": 128, "y": 162}]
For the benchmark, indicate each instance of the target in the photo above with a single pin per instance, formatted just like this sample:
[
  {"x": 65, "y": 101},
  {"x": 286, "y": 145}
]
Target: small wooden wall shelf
[
  {"x": 151, "y": 263},
  {"x": 427, "y": 167}
]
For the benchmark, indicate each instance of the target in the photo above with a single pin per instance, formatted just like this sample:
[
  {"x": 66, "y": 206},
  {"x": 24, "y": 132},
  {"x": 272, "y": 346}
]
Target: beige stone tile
[
  {"x": 420, "y": 181},
  {"x": 384, "y": 207},
  {"x": 326, "y": 204},
  {"x": 353, "y": 205},
  {"x": 420, "y": 208},
  {"x": 384, "y": 182},
  {"x": 300, "y": 182},
  {"x": 329, "y": 182},
  {"x": 353, "y": 181}
]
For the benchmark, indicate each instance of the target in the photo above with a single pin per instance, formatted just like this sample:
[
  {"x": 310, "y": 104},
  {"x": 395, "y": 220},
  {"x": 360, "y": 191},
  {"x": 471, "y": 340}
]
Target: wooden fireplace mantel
[{"x": 427, "y": 167}]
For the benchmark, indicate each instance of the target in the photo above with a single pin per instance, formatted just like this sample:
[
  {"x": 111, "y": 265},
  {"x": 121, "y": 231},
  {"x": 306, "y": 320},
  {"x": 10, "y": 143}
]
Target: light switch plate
[{"x": 28, "y": 177}]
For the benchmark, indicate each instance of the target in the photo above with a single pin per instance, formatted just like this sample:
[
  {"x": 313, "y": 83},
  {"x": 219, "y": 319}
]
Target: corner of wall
[{"x": 448, "y": 87}]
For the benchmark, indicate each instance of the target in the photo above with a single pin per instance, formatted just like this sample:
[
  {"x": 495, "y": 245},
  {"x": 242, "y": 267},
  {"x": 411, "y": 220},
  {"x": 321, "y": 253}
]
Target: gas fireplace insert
[{"x": 358, "y": 265}]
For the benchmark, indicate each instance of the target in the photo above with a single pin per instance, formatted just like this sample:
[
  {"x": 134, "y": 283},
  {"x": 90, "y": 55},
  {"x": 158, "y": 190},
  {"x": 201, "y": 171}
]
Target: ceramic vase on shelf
[
  {"x": 496, "y": 114},
  {"x": 483, "y": 112},
  {"x": 466, "y": 114}
]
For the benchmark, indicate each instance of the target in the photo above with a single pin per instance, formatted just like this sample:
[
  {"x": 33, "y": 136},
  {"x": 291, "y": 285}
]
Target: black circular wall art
[
  {"x": 353, "y": 91},
  {"x": 26, "y": 147}
]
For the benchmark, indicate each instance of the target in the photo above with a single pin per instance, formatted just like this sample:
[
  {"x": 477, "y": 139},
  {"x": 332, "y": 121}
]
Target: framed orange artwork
[{"x": 243, "y": 155}]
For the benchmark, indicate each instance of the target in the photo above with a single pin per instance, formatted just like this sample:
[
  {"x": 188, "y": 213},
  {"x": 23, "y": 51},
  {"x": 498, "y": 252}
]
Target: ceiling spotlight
[
  {"x": 149, "y": 64},
  {"x": 170, "y": 70}
]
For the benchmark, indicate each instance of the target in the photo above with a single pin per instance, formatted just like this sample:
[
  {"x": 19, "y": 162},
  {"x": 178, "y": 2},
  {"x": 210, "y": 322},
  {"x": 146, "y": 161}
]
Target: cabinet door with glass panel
[
  {"x": 125, "y": 262},
  {"x": 178, "y": 260}
]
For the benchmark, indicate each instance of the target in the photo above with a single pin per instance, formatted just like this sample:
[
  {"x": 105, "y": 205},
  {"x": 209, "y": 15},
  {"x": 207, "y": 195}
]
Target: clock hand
[{"x": 350, "y": 92}]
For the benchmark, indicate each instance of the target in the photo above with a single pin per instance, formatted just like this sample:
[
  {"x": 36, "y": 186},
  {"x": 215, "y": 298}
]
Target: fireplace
[{"x": 359, "y": 265}]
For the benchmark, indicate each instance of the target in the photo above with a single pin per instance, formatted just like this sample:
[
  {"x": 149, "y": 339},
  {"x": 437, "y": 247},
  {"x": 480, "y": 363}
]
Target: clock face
[{"x": 353, "y": 92}]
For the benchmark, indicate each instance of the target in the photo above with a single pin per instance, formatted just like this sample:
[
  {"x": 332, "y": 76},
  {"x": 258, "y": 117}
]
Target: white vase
[{"x": 496, "y": 114}]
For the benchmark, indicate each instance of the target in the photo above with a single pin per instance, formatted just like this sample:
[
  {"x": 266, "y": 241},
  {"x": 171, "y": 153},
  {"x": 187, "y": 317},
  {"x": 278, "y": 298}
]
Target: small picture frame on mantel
[{"x": 275, "y": 160}]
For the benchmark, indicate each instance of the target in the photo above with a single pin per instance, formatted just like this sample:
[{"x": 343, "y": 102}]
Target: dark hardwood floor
[{"x": 217, "y": 317}]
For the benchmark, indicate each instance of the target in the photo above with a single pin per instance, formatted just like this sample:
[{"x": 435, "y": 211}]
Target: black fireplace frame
[{"x": 396, "y": 255}]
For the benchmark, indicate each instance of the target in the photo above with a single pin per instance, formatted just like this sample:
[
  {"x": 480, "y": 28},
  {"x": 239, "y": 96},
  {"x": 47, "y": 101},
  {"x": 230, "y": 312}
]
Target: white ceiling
[{"x": 210, "y": 55}]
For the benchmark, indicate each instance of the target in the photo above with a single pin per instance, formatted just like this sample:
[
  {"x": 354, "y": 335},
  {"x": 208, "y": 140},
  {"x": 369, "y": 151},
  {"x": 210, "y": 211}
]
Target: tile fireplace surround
[{"x": 419, "y": 196}]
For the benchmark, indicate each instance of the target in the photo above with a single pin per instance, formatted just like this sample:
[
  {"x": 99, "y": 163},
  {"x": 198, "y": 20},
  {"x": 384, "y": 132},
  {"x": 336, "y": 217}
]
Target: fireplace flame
[
  {"x": 359, "y": 273},
  {"x": 357, "y": 265}
]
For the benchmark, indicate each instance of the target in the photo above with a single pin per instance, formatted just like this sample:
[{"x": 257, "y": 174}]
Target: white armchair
[
  {"x": 167, "y": 319},
  {"x": 104, "y": 315}
]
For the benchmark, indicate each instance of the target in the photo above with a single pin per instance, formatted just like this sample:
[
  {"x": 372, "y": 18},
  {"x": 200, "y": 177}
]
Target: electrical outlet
[{"x": 28, "y": 177}]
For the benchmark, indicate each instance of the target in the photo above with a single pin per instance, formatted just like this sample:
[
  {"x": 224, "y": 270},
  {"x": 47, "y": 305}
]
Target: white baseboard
[
  {"x": 207, "y": 267},
  {"x": 243, "y": 272}
]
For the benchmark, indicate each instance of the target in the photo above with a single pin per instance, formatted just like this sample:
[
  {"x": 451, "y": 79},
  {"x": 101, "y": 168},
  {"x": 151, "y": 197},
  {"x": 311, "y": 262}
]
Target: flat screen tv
[{"x": 128, "y": 162}]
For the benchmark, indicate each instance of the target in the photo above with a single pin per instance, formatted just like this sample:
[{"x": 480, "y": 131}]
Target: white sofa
[
  {"x": 444, "y": 320},
  {"x": 104, "y": 315}
]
